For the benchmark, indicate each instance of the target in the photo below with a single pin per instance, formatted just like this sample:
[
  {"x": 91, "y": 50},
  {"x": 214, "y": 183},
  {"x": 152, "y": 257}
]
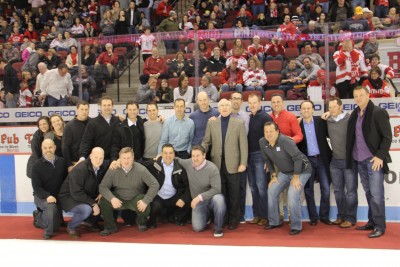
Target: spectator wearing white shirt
[{"x": 57, "y": 86}]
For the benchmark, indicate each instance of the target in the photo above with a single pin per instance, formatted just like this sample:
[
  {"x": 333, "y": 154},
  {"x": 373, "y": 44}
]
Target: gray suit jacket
[{"x": 236, "y": 146}]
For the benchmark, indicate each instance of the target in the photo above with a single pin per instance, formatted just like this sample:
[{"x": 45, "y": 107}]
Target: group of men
[{"x": 158, "y": 167}]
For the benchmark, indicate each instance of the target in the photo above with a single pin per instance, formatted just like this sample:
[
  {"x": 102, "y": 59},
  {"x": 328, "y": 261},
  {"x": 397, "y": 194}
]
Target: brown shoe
[
  {"x": 346, "y": 224},
  {"x": 338, "y": 222},
  {"x": 255, "y": 220},
  {"x": 262, "y": 222}
]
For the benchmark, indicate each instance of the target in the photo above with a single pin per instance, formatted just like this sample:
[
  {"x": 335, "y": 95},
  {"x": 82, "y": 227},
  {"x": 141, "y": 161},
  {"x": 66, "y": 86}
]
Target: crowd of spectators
[{"x": 40, "y": 31}]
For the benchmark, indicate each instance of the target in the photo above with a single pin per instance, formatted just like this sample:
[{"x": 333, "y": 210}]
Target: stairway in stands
[{"x": 127, "y": 93}]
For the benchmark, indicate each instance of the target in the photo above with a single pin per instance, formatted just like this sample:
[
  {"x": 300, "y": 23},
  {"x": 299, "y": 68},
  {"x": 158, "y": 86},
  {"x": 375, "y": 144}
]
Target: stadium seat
[
  {"x": 321, "y": 51},
  {"x": 268, "y": 94},
  {"x": 291, "y": 52},
  {"x": 245, "y": 94},
  {"x": 273, "y": 66},
  {"x": 216, "y": 80},
  {"x": 173, "y": 82},
  {"x": 225, "y": 95},
  {"x": 62, "y": 54},
  {"x": 273, "y": 80}
]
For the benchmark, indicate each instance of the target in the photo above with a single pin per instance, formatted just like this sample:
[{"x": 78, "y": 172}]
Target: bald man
[
  {"x": 229, "y": 151},
  {"x": 79, "y": 193},
  {"x": 48, "y": 174}
]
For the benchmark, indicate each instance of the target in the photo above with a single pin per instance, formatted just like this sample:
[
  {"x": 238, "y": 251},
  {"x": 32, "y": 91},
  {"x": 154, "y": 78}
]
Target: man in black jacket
[
  {"x": 48, "y": 174},
  {"x": 73, "y": 133},
  {"x": 315, "y": 146},
  {"x": 10, "y": 84},
  {"x": 174, "y": 194},
  {"x": 129, "y": 133},
  {"x": 369, "y": 137},
  {"x": 99, "y": 132},
  {"x": 79, "y": 193}
]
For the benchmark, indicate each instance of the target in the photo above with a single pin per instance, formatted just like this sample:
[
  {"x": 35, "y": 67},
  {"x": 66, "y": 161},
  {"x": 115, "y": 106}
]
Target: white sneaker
[{"x": 218, "y": 233}]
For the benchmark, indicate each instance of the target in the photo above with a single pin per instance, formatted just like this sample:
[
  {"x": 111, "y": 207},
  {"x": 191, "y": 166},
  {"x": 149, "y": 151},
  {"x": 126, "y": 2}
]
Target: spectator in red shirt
[
  {"x": 155, "y": 66},
  {"x": 232, "y": 77},
  {"x": 108, "y": 59}
]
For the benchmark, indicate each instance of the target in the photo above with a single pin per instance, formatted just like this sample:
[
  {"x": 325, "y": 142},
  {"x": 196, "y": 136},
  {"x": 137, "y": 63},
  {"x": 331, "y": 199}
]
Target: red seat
[
  {"x": 291, "y": 52},
  {"x": 225, "y": 95},
  {"x": 173, "y": 82},
  {"x": 120, "y": 51},
  {"x": 169, "y": 57},
  {"x": 273, "y": 66},
  {"x": 245, "y": 94},
  {"x": 216, "y": 80},
  {"x": 321, "y": 50},
  {"x": 192, "y": 81},
  {"x": 332, "y": 77},
  {"x": 269, "y": 93},
  {"x": 273, "y": 80}
]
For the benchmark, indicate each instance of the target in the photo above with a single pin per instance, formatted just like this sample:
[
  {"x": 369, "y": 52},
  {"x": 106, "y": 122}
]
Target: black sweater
[
  {"x": 98, "y": 133},
  {"x": 73, "y": 133},
  {"x": 47, "y": 178}
]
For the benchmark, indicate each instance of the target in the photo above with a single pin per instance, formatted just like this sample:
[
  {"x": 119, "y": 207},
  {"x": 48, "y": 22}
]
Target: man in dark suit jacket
[
  {"x": 315, "y": 146},
  {"x": 369, "y": 137},
  {"x": 229, "y": 152},
  {"x": 133, "y": 17},
  {"x": 174, "y": 194}
]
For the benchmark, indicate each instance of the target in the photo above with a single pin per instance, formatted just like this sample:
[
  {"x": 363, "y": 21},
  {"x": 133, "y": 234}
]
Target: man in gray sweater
[
  {"x": 133, "y": 187},
  {"x": 205, "y": 190},
  {"x": 346, "y": 201},
  {"x": 294, "y": 171}
]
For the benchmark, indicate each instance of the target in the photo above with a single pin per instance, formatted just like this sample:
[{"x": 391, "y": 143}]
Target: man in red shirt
[
  {"x": 108, "y": 59},
  {"x": 289, "y": 126},
  {"x": 155, "y": 66}
]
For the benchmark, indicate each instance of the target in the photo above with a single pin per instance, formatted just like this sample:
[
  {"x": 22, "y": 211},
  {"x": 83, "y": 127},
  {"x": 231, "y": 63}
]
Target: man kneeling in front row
[{"x": 125, "y": 188}]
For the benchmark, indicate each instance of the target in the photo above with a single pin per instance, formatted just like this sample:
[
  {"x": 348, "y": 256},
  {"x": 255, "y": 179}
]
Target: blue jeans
[
  {"x": 201, "y": 213},
  {"x": 346, "y": 200},
  {"x": 319, "y": 170},
  {"x": 243, "y": 183},
  {"x": 381, "y": 11},
  {"x": 356, "y": 3},
  {"x": 257, "y": 9},
  {"x": 258, "y": 182},
  {"x": 278, "y": 57},
  {"x": 54, "y": 102},
  {"x": 172, "y": 46},
  {"x": 227, "y": 88},
  {"x": 49, "y": 218},
  {"x": 372, "y": 182},
  {"x": 81, "y": 212},
  {"x": 293, "y": 199},
  {"x": 325, "y": 6},
  {"x": 11, "y": 102},
  {"x": 256, "y": 88}
]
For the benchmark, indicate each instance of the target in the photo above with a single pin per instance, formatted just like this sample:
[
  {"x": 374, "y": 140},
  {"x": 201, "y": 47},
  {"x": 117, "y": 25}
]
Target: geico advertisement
[
  {"x": 69, "y": 112},
  {"x": 16, "y": 140}
]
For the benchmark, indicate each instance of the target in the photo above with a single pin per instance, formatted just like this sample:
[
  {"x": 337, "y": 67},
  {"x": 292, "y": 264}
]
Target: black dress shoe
[
  {"x": 36, "y": 219},
  {"x": 233, "y": 226},
  {"x": 376, "y": 233},
  {"x": 90, "y": 227},
  {"x": 326, "y": 221},
  {"x": 269, "y": 227},
  {"x": 294, "y": 232},
  {"x": 107, "y": 232},
  {"x": 47, "y": 236},
  {"x": 313, "y": 222},
  {"x": 366, "y": 227}
]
